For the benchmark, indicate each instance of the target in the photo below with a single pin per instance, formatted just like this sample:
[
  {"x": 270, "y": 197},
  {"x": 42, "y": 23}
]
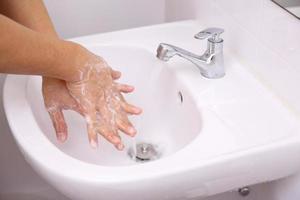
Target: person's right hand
[
  {"x": 103, "y": 106},
  {"x": 57, "y": 98}
]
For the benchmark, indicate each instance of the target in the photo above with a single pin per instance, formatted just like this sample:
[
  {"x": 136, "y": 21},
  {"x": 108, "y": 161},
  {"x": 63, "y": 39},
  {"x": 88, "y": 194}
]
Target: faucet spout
[
  {"x": 167, "y": 51},
  {"x": 210, "y": 63}
]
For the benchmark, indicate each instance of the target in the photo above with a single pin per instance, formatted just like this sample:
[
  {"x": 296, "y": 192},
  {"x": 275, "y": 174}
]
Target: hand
[
  {"x": 57, "y": 98},
  {"x": 103, "y": 105}
]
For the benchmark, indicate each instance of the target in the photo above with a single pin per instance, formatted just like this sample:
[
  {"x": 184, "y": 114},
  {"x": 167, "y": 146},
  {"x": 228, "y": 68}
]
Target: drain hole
[
  {"x": 180, "y": 95},
  {"x": 144, "y": 152}
]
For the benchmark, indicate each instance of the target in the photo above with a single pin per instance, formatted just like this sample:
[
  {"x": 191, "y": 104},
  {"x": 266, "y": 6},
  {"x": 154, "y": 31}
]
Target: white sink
[{"x": 213, "y": 135}]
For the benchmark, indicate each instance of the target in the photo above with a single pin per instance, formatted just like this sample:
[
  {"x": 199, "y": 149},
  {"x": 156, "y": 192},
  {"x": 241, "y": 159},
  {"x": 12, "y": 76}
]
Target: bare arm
[
  {"x": 23, "y": 51},
  {"x": 30, "y": 13}
]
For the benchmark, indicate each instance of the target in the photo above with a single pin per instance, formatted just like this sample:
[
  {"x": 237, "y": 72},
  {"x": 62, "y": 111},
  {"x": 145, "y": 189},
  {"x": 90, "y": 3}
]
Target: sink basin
[
  {"x": 213, "y": 135},
  {"x": 166, "y": 122}
]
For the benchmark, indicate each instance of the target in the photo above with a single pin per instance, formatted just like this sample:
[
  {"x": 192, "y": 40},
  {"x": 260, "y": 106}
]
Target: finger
[
  {"x": 59, "y": 124},
  {"x": 131, "y": 109},
  {"x": 111, "y": 136},
  {"x": 115, "y": 74},
  {"x": 120, "y": 146},
  {"x": 125, "y": 88},
  {"x": 126, "y": 127},
  {"x": 92, "y": 134}
]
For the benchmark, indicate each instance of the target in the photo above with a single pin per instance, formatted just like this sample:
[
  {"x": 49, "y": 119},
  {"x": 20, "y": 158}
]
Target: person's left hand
[{"x": 57, "y": 98}]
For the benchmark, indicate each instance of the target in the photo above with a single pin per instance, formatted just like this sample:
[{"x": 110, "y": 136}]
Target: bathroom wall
[
  {"x": 74, "y": 17},
  {"x": 266, "y": 38},
  {"x": 71, "y": 18}
]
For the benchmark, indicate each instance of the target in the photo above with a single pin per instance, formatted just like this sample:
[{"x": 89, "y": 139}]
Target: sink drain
[{"x": 144, "y": 152}]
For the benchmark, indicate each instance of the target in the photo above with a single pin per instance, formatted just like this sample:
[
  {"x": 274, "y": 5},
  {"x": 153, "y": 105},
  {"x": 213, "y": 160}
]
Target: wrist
[
  {"x": 70, "y": 61},
  {"x": 74, "y": 61}
]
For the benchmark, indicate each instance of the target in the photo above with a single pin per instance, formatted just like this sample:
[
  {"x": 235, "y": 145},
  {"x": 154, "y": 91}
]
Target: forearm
[
  {"x": 23, "y": 51},
  {"x": 30, "y": 13}
]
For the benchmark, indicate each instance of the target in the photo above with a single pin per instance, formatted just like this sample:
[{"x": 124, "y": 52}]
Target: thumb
[
  {"x": 59, "y": 123},
  {"x": 115, "y": 74}
]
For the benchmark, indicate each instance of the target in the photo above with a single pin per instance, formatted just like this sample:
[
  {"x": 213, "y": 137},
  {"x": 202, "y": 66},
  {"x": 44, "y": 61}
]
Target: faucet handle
[{"x": 211, "y": 33}]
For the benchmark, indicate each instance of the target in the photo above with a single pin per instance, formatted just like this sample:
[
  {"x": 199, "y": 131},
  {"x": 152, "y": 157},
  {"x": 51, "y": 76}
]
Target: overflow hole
[
  {"x": 244, "y": 191},
  {"x": 180, "y": 96}
]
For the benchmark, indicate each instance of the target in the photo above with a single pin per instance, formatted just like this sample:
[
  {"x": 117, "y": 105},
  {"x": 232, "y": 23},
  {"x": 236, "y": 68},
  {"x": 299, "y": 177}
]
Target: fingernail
[
  {"x": 138, "y": 110},
  {"x": 61, "y": 137},
  {"x": 120, "y": 146},
  {"x": 94, "y": 144},
  {"x": 132, "y": 131},
  {"x": 117, "y": 73},
  {"x": 110, "y": 137},
  {"x": 131, "y": 87},
  {"x": 115, "y": 139}
]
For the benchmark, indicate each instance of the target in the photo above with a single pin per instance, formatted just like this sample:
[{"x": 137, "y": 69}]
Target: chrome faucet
[{"x": 210, "y": 64}]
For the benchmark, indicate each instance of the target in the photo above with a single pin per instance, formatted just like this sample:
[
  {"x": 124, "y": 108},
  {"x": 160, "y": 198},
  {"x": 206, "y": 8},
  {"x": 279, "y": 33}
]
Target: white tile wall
[
  {"x": 74, "y": 17},
  {"x": 265, "y": 37}
]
